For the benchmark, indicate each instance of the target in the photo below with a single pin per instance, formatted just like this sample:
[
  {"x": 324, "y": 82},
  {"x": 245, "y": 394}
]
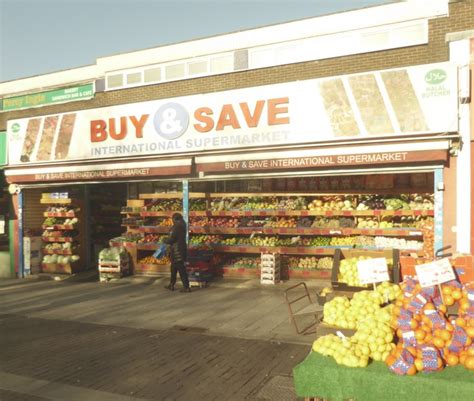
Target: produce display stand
[
  {"x": 240, "y": 225},
  {"x": 62, "y": 240},
  {"x": 319, "y": 377}
]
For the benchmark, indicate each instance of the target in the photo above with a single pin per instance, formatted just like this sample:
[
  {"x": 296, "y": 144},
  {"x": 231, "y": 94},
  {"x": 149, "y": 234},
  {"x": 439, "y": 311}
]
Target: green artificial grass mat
[{"x": 320, "y": 376}]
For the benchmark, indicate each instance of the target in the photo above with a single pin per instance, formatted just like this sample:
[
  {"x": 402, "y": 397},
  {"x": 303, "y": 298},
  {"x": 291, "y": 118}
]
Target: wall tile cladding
[{"x": 461, "y": 18}]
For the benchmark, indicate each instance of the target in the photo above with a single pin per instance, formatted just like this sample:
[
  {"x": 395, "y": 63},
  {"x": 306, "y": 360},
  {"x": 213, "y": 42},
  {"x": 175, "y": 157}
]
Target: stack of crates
[
  {"x": 199, "y": 266},
  {"x": 114, "y": 268},
  {"x": 270, "y": 268}
]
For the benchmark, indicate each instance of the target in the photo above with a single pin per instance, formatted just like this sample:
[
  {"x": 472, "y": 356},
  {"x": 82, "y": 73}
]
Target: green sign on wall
[
  {"x": 3, "y": 148},
  {"x": 45, "y": 98}
]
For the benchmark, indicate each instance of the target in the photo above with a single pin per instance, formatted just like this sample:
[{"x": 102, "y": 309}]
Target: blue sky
[{"x": 41, "y": 36}]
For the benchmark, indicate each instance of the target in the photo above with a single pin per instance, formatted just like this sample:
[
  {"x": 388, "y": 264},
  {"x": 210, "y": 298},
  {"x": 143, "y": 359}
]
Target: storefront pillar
[
  {"x": 460, "y": 54},
  {"x": 186, "y": 206},
  {"x": 438, "y": 205}
]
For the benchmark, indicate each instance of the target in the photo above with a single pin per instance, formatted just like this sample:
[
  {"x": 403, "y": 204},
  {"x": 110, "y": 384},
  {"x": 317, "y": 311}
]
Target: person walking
[{"x": 178, "y": 252}]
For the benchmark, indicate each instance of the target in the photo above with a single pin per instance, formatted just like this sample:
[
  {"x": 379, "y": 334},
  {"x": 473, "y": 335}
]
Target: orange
[
  {"x": 452, "y": 360},
  {"x": 456, "y": 294},
  {"x": 420, "y": 334},
  {"x": 469, "y": 363},
  {"x": 437, "y": 332},
  {"x": 419, "y": 364},
  {"x": 442, "y": 308},
  {"x": 448, "y": 300},
  {"x": 428, "y": 338},
  {"x": 469, "y": 331},
  {"x": 412, "y": 370},
  {"x": 429, "y": 306},
  {"x": 470, "y": 351},
  {"x": 449, "y": 327},
  {"x": 464, "y": 304},
  {"x": 470, "y": 322},
  {"x": 462, "y": 358},
  {"x": 413, "y": 324},
  {"x": 445, "y": 335},
  {"x": 447, "y": 290},
  {"x": 396, "y": 310},
  {"x": 468, "y": 342},
  {"x": 440, "y": 363},
  {"x": 461, "y": 322},
  {"x": 391, "y": 359},
  {"x": 438, "y": 342},
  {"x": 411, "y": 350}
]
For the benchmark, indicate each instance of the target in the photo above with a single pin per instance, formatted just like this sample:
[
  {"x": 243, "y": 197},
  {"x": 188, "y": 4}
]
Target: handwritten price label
[
  {"x": 373, "y": 270},
  {"x": 434, "y": 273}
]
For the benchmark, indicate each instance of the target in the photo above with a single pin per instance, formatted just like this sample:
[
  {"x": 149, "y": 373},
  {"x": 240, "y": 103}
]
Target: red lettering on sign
[
  {"x": 275, "y": 108},
  {"x": 98, "y": 131},
  {"x": 252, "y": 120},
  {"x": 123, "y": 128},
  {"x": 139, "y": 124},
  {"x": 202, "y": 115},
  {"x": 227, "y": 118}
]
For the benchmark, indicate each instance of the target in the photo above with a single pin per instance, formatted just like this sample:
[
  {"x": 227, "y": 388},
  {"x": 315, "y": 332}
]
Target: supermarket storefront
[{"x": 384, "y": 132}]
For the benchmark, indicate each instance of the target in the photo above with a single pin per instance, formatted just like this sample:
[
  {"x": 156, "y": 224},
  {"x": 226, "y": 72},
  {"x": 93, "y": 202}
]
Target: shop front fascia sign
[
  {"x": 326, "y": 161},
  {"x": 101, "y": 172},
  {"x": 82, "y": 92},
  {"x": 392, "y": 103}
]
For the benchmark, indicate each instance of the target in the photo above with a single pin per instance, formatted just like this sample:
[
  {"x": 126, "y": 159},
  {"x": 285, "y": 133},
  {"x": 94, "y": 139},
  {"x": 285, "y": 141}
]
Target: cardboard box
[
  {"x": 32, "y": 254},
  {"x": 340, "y": 254}
]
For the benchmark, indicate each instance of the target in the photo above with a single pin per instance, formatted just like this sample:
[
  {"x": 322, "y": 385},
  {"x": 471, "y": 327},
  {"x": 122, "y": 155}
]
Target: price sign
[
  {"x": 434, "y": 273},
  {"x": 372, "y": 270}
]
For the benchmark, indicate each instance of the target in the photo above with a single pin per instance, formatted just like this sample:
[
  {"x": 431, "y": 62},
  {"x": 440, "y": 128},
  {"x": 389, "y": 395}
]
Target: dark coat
[{"x": 177, "y": 240}]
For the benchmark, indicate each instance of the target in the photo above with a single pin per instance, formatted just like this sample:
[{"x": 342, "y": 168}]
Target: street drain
[
  {"x": 190, "y": 329},
  {"x": 278, "y": 388}
]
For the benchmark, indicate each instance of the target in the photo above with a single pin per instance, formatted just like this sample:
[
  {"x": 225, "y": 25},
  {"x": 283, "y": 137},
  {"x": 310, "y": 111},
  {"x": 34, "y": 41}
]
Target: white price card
[
  {"x": 372, "y": 270},
  {"x": 434, "y": 273}
]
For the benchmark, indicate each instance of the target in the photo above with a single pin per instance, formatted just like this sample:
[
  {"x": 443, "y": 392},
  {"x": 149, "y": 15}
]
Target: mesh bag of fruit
[
  {"x": 429, "y": 356},
  {"x": 403, "y": 363},
  {"x": 459, "y": 340},
  {"x": 433, "y": 294},
  {"x": 409, "y": 338},
  {"x": 416, "y": 304},
  {"x": 438, "y": 321},
  {"x": 404, "y": 320}
]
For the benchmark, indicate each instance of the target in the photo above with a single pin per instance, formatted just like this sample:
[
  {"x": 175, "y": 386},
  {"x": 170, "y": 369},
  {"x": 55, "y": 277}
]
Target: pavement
[{"x": 80, "y": 340}]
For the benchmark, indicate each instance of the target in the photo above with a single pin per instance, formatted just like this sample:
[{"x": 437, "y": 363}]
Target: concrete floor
[{"x": 232, "y": 340}]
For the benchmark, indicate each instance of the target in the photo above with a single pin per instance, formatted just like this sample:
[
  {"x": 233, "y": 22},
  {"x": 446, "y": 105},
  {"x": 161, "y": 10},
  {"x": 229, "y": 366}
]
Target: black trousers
[{"x": 183, "y": 274}]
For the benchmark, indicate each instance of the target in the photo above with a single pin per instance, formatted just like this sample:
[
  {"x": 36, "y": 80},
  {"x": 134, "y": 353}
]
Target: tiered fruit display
[
  {"x": 332, "y": 203},
  {"x": 150, "y": 238},
  {"x": 205, "y": 240},
  {"x": 397, "y": 243},
  {"x": 165, "y": 205},
  {"x": 428, "y": 339},
  {"x": 150, "y": 260},
  {"x": 197, "y": 205},
  {"x": 310, "y": 262},
  {"x": 223, "y": 222},
  {"x": 243, "y": 262},
  {"x": 282, "y": 222},
  {"x": 299, "y": 203}
]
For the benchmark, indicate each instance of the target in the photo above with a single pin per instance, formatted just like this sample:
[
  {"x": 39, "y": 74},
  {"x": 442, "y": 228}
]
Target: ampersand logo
[{"x": 171, "y": 120}]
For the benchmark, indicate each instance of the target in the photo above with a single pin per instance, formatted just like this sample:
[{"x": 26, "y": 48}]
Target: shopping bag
[{"x": 160, "y": 252}]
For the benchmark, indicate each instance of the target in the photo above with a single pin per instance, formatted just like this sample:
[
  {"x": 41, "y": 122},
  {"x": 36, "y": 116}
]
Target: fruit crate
[
  {"x": 341, "y": 254},
  {"x": 269, "y": 268}
]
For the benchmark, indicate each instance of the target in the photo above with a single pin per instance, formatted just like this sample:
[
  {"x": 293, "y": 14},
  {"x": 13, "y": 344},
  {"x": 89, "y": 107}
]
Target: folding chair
[{"x": 302, "y": 305}]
